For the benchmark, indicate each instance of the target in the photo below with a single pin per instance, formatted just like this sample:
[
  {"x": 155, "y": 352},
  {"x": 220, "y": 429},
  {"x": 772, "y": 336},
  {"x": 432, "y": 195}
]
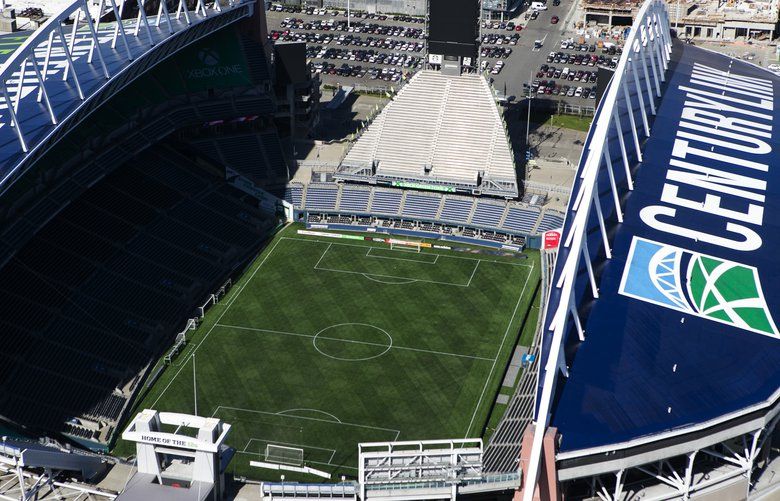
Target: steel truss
[
  {"x": 60, "y": 66},
  {"x": 682, "y": 477},
  {"x": 16, "y": 483},
  {"x": 645, "y": 59}
]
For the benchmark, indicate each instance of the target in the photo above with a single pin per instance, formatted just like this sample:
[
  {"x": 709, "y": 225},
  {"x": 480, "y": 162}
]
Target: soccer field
[{"x": 327, "y": 343}]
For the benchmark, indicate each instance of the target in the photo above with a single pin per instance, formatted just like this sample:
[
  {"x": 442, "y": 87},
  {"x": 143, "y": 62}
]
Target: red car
[
  {"x": 518, "y": 28},
  {"x": 554, "y": 20}
]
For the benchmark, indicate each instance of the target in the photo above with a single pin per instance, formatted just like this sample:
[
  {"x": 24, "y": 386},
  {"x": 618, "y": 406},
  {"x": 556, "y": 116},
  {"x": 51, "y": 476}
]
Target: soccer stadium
[{"x": 191, "y": 312}]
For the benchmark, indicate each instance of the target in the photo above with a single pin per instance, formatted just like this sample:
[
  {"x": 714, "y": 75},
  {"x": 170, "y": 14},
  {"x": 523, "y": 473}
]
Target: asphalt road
[{"x": 524, "y": 62}]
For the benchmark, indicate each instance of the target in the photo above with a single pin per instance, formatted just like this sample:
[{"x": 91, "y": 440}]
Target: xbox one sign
[
  {"x": 209, "y": 57},
  {"x": 211, "y": 68}
]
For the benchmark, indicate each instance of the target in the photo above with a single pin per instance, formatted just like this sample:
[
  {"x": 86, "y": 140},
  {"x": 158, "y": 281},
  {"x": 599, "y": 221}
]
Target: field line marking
[
  {"x": 323, "y": 255},
  {"x": 391, "y": 276},
  {"x": 498, "y": 352},
  {"x": 216, "y": 322},
  {"x": 425, "y": 252},
  {"x": 343, "y": 423},
  {"x": 337, "y": 420},
  {"x": 277, "y": 442},
  {"x": 395, "y": 346},
  {"x": 408, "y": 280},
  {"x": 474, "y": 271},
  {"x": 368, "y": 254},
  {"x": 307, "y": 462}
]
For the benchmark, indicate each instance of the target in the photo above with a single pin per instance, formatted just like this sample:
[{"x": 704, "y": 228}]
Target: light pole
[
  {"x": 528, "y": 120},
  {"x": 348, "y": 16},
  {"x": 194, "y": 384}
]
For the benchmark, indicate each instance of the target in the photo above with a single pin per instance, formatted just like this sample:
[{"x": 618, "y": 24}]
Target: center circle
[{"x": 352, "y": 342}]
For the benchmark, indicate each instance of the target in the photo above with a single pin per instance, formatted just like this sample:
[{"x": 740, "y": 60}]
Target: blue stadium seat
[
  {"x": 354, "y": 200},
  {"x": 456, "y": 210},
  {"x": 386, "y": 202},
  {"x": 421, "y": 206},
  {"x": 550, "y": 221},
  {"x": 321, "y": 198},
  {"x": 521, "y": 219},
  {"x": 487, "y": 214}
]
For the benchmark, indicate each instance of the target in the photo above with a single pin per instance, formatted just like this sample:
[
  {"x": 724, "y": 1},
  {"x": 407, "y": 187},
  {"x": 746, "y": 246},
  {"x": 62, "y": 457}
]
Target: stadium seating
[
  {"x": 257, "y": 156},
  {"x": 422, "y": 206},
  {"x": 521, "y": 219},
  {"x": 273, "y": 152},
  {"x": 550, "y": 221},
  {"x": 386, "y": 202},
  {"x": 293, "y": 193},
  {"x": 487, "y": 214},
  {"x": 101, "y": 290},
  {"x": 457, "y": 210},
  {"x": 439, "y": 127},
  {"x": 355, "y": 200},
  {"x": 321, "y": 197}
]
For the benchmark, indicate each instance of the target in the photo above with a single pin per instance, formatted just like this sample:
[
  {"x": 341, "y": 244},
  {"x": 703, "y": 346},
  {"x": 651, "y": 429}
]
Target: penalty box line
[
  {"x": 342, "y": 244},
  {"x": 307, "y": 418},
  {"x": 330, "y": 244},
  {"x": 368, "y": 254}
]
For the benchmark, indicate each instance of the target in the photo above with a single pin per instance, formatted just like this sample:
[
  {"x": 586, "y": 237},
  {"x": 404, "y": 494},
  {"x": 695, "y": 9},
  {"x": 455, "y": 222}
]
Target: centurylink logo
[{"x": 697, "y": 284}]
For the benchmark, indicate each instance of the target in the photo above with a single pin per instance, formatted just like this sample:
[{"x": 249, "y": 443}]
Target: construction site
[{"x": 715, "y": 20}]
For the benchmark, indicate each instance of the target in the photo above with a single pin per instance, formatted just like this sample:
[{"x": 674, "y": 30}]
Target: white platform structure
[
  {"x": 425, "y": 469},
  {"x": 441, "y": 131},
  {"x": 188, "y": 463}
]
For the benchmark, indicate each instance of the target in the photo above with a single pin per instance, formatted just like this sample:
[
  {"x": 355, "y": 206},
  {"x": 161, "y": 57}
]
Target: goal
[
  {"x": 284, "y": 455},
  {"x": 404, "y": 245}
]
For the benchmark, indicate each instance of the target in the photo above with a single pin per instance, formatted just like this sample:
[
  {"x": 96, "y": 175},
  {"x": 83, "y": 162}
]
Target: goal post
[
  {"x": 284, "y": 455},
  {"x": 405, "y": 245}
]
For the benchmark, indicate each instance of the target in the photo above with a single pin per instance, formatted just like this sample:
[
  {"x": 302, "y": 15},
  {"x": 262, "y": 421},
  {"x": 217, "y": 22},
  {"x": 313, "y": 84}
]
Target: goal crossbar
[{"x": 284, "y": 455}]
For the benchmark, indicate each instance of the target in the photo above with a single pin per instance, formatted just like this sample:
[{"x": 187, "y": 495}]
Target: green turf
[{"x": 324, "y": 344}]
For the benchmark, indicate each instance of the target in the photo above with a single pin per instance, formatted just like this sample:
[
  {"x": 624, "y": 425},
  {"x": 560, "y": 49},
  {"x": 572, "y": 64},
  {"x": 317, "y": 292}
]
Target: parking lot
[
  {"x": 378, "y": 50},
  {"x": 372, "y": 49}
]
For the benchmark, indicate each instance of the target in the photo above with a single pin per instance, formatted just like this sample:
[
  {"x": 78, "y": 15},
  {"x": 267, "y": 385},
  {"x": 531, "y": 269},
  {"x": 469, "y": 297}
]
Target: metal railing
[{"x": 642, "y": 66}]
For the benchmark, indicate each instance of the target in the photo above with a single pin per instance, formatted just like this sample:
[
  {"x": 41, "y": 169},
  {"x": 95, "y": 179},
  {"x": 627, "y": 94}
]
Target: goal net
[
  {"x": 407, "y": 246},
  {"x": 284, "y": 455}
]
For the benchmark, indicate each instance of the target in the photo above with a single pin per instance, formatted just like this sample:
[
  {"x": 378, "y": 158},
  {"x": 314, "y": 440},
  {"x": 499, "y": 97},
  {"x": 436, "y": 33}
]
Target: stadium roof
[
  {"x": 684, "y": 333},
  {"x": 440, "y": 129}
]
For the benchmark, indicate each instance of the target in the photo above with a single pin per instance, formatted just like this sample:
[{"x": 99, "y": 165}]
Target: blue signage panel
[{"x": 686, "y": 327}]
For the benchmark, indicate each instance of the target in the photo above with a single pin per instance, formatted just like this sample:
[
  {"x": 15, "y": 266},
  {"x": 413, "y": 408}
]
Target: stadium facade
[
  {"x": 659, "y": 352},
  {"x": 123, "y": 154}
]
